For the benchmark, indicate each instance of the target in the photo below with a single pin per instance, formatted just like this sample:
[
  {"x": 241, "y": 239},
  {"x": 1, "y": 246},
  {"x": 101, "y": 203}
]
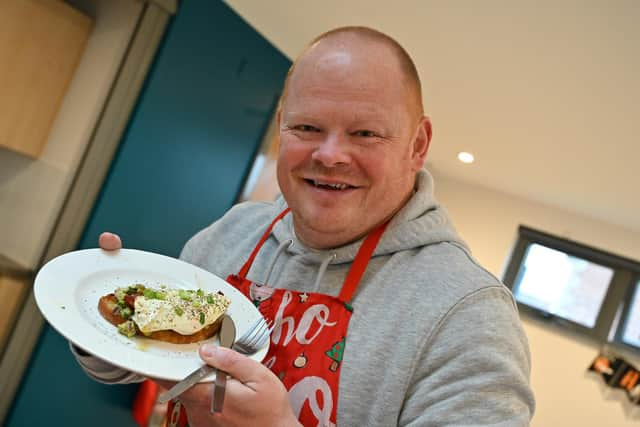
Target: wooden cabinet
[
  {"x": 13, "y": 289},
  {"x": 41, "y": 42}
]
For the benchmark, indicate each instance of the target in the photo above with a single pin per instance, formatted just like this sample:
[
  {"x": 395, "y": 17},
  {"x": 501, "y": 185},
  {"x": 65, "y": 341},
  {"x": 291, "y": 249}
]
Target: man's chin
[
  {"x": 326, "y": 226},
  {"x": 328, "y": 232}
]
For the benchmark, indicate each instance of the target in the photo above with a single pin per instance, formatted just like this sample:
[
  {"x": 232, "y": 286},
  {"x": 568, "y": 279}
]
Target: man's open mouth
[{"x": 329, "y": 185}]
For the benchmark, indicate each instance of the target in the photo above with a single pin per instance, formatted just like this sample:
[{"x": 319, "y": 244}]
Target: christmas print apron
[{"x": 308, "y": 341}]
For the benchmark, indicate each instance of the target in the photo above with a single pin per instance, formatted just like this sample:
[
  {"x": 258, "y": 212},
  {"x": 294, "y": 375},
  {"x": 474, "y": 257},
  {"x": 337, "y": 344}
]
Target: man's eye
[
  {"x": 306, "y": 128},
  {"x": 365, "y": 133}
]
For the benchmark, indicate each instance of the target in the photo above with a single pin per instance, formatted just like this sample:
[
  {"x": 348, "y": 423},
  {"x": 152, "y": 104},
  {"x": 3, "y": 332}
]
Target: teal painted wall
[{"x": 181, "y": 164}]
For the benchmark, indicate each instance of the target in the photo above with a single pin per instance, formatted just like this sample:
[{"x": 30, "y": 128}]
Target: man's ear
[{"x": 421, "y": 143}]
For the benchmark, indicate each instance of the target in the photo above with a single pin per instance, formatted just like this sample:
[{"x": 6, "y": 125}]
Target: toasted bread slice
[{"x": 109, "y": 309}]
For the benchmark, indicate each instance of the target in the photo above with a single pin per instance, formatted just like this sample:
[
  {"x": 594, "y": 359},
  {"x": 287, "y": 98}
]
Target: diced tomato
[{"x": 130, "y": 300}]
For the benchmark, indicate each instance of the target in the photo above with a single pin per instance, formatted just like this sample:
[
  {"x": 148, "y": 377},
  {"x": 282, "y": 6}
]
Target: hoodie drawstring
[
  {"x": 281, "y": 248},
  {"x": 284, "y": 245},
  {"x": 321, "y": 270}
]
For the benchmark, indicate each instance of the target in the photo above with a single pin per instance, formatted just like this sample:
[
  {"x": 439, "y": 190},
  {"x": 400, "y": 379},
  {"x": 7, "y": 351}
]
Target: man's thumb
[
  {"x": 242, "y": 368},
  {"x": 109, "y": 241}
]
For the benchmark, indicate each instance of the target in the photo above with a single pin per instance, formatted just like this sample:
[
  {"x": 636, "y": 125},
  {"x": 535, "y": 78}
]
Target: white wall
[{"x": 488, "y": 221}]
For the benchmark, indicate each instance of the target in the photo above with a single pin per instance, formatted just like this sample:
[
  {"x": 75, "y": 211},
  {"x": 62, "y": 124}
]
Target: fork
[
  {"x": 250, "y": 342},
  {"x": 255, "y": 337}
]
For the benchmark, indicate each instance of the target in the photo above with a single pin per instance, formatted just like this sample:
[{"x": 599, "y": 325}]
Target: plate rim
[{"x": 128, "y": 360}]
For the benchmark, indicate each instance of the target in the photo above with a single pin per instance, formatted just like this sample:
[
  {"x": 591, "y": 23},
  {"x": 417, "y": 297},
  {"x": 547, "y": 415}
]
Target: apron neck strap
[
  {"x": 360, "y": 263},
  {"x": 245, "y": 268},
  {"x": 358, "y": 266}
]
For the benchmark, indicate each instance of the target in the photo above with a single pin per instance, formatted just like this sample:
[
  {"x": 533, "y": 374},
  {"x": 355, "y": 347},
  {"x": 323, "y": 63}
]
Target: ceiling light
[{"x": 465, "y": 157}]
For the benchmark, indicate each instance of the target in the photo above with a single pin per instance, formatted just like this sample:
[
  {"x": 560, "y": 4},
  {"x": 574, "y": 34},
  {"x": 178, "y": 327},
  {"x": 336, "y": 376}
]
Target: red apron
[{"x": 308, "y": 341}]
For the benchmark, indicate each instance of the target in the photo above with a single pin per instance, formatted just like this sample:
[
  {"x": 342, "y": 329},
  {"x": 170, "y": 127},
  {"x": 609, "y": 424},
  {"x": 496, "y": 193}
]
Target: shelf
[{"x": 40, "y": 45}]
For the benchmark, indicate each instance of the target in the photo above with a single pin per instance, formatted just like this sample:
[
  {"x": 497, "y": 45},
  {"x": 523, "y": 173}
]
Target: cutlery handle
[
  {"x": 227, "y": 337},
  {"x": 186, "y": 383},
  {"x": 219, "y": 388}
]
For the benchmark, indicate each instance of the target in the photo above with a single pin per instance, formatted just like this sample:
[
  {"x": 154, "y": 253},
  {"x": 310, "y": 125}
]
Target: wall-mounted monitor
[
  {"x": 576, "y": 286},
  {"x": 561, "y": 284}
]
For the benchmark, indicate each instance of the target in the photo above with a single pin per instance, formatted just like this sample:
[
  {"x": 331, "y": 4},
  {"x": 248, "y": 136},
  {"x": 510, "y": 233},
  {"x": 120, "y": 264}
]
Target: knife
[
  {"x": 186, "y": 383},
  {"x": 197, "y": 375},
  {"x": 227, "y": 337}
]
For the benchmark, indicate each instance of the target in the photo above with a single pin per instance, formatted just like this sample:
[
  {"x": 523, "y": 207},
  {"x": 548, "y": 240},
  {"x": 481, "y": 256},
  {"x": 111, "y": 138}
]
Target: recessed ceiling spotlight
[{"x": 465, "y": 157}]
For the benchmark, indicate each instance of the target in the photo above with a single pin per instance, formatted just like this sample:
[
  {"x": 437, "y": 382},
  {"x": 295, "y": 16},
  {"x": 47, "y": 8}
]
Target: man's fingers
[
  {"x": 109, "y": 241},
  {"x": 241, "y": 367}
]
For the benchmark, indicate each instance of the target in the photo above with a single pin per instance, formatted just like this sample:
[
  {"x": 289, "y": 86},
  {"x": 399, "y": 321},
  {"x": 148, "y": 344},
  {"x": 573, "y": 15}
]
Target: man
[{"x": 382, "y": 316}]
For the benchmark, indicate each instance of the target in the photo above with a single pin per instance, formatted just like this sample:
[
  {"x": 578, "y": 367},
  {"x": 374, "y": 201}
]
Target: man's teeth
[{"x": 331, "y": 185}]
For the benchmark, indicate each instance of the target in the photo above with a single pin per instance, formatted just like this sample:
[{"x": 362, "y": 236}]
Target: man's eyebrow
[{"x": 296, "y": 115}]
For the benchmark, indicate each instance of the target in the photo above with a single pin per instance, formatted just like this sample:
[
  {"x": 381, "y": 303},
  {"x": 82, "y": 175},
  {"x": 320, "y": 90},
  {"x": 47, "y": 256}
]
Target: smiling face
[{"x": 351, "y": 141}]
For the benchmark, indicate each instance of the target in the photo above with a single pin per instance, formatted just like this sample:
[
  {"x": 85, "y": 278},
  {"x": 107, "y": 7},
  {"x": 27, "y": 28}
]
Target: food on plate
[{"x": 177, "y": 316}]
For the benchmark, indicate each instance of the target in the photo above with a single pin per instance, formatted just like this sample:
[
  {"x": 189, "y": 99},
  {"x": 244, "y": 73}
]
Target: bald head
[
  {"x": 362, "y": 40},
  {"x": 352, "y": 135}
]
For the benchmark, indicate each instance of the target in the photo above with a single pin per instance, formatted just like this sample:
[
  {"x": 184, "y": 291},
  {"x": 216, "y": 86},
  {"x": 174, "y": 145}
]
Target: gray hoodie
[{"x": 434, "y": 339}]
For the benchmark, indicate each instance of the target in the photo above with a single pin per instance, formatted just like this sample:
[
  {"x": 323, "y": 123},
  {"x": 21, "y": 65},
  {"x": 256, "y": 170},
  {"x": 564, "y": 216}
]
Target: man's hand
[
  {"x": 254, "y": 395},
  {"x": 110, "y": 241}
]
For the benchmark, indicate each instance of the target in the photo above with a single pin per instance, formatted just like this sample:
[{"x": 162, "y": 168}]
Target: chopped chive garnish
[{"x": 151, "y": 294}]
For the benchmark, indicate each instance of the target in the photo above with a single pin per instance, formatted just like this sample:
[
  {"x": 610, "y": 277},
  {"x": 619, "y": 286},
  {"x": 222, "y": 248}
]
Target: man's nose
[{"x": 332, "y": 151}]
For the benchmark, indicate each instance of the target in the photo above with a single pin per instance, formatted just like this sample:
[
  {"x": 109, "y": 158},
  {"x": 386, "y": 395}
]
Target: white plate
[{"x": 67, "y": 290}]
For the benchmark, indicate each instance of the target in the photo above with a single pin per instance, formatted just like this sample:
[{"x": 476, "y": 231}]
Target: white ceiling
[{"x": 545, "y": 93}]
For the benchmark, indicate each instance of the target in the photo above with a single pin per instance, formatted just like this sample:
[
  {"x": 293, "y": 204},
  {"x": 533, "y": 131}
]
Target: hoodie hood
[{"x": 421, "y": 222}]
